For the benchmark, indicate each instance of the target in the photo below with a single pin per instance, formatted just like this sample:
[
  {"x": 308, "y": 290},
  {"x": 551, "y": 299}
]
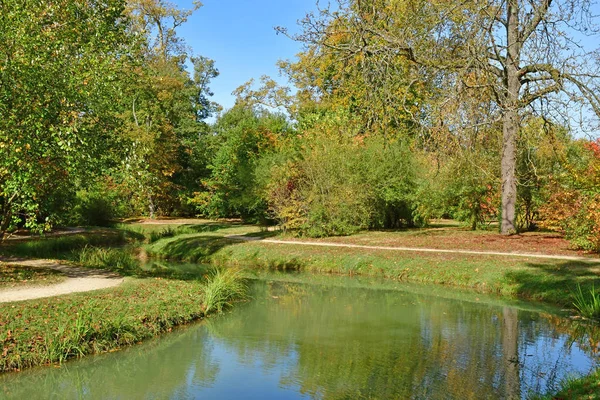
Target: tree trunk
[
  {"x": 510, "y": 120},
  {"x": 151, "y": 207},
  {"x": 509, "y": 179}
]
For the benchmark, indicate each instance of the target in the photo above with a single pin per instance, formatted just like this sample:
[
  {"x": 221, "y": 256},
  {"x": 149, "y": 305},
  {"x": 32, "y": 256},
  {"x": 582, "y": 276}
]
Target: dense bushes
[
  {"x": 336, "y": 185},
  {"x": 573, "y": 207}
]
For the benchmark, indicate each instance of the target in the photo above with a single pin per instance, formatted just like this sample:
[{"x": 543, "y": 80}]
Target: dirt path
[
  {"x": 417, "y": 249},
  {"x": 78, "y": 280}
]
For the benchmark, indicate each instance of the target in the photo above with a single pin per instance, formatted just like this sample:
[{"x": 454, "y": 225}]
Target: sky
[{"x": 239, "y": 35}]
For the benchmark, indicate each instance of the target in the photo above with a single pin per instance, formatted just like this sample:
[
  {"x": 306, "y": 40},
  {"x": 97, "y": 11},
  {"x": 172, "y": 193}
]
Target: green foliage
[
  {"x": 62, "y": 64},
  {"x": 337, "y": 186},
  {"x": 222, "y": 287},
  {"x": 242, "y": 136},
  {"x": 94, "y": 209},
  {"x": 587, "y": 304}
]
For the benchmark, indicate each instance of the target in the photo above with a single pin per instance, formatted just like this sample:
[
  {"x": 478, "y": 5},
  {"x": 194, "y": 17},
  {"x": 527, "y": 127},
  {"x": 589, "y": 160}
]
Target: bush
[
  {"x": 573, "y": 206},
  {"x": 95, "y": 210},
  {"x": 337, "y": 186}
]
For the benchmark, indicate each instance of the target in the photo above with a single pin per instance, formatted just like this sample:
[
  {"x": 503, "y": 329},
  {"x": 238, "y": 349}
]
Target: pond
[{"x": 333, "y": 338}]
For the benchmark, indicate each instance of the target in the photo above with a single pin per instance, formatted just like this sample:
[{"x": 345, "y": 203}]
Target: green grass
[
  {"x": 19, "y": 275},
  {"x": 62, "y": 246},
  {"x": 587, "y": 303},
  {"x": 587, "y": 387},
  {"x": 120, "y": 260},
  {"x": 50, "y": 330},
  {"x": 223, "y": 285}
]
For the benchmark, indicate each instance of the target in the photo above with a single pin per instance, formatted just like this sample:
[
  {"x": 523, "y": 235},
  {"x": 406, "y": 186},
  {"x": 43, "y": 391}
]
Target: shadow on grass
[
  {"x": 554, "y": 282},
  {"x": 200, "y": 249},
  {"x": 261, "y": 235},
  {"x": 208, "y": 227},
  {"x": 59, "y": 246},
  {"x": 194, "y": 249}
]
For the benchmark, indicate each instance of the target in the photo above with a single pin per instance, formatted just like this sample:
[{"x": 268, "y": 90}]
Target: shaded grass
[
  {"x": 44, "y": 331},
  {"x": 189, "y": 247},
  {"x": 19, "y": 275},
  {"x": 119, "y": 260},
  {"x": 62, "y": 246}
]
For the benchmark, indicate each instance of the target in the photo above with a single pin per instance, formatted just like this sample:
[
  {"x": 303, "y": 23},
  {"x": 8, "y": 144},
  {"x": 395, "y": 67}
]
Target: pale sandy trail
[
  {"x": 78, "y": 280},
  {"x": 416, "y": 249}
]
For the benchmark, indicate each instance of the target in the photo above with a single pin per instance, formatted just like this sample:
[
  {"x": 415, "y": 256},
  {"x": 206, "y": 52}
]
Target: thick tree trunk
[
  {"x": 510, "y": 120},
  {"x": 509, "y": 179}
]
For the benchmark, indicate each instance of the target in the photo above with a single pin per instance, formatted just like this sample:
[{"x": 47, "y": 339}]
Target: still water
[{"x": 333, "y": 339}]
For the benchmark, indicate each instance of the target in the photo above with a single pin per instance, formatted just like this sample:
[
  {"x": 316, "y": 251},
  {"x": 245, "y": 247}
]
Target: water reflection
[{"x": 331, "y": 342}]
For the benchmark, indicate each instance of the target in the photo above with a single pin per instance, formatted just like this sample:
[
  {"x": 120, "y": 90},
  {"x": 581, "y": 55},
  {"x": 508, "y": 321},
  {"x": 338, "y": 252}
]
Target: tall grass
[
  {"x": 58, "y": 246},
  {"x": 113, "y": 259},
  {"x": 223, "y": 287},
  {"x": 588, "y": 305}
]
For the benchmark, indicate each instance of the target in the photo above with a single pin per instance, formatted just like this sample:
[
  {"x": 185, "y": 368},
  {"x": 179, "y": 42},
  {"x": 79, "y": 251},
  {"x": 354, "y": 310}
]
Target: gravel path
[
  {"x": 416, "y": 249},
  {"x": 78, "y": 280}
]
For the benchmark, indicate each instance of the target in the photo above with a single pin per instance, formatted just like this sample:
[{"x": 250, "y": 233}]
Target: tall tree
[
  {"x": 527, "y": 55},
  {"x": 167, "y": 106},
  {"x": 62, "y": 65}
]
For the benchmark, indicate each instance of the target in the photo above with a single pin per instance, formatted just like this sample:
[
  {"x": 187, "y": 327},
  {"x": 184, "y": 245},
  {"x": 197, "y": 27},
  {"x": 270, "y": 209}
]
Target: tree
[
  {"x": 524, "y": 55},
  {"x": 241, "y": 136},
  {"x": 166, "y": 109},
  {"x": 62, "y": 64}
]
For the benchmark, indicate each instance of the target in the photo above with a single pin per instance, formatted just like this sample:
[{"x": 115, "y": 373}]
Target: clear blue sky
[{"x": 239, "y": 36}]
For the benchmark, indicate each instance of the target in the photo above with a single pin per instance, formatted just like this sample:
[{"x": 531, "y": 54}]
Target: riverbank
[
  {"x": 55, "y": 329},
  {"x": 550, "y": 280},
  {"x": 232, "y": 244}
]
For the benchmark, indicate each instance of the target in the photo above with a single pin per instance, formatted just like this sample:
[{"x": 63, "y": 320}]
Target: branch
[
  {"x": 556, "y": 87},
  {"x": 539, "y": 14}
]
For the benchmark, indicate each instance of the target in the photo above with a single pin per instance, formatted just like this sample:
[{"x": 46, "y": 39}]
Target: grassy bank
[
  {"x": 49, "y": 330},
  {"x": 587, "y": 388},
  {"x": 551, "y": 281},
  {"x": 62, "y": 246}
]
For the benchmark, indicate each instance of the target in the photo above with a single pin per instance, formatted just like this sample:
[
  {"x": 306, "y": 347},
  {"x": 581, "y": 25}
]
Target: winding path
[
  {"x": 415, "y": 249},
  {"x": 78, "y": 280}
]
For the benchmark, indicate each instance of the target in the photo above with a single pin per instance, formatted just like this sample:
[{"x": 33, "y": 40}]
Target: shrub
[
  {"x": 573, "y": 207},
  {"x": 337, "y": 186}
]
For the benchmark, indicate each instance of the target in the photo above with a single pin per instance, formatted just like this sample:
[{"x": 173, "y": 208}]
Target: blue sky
[{"x": 239, "y": 36}]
